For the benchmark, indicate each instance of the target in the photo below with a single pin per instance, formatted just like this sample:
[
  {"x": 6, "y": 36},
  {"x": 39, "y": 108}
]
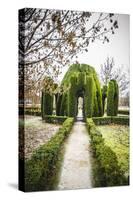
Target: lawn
[{"x": 117, "y": 137}]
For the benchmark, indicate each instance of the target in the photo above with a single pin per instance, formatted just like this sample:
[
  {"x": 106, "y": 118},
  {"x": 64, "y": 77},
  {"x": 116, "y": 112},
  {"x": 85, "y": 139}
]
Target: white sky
[{"x": 118, "y": 48}]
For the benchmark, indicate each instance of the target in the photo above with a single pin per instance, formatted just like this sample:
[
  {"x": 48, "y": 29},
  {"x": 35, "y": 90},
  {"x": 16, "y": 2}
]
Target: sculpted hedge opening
[{"x": 81, "y": 81}]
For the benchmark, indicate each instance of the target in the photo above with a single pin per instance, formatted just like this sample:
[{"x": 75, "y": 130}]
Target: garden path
[{"x": 76, "y": 168}]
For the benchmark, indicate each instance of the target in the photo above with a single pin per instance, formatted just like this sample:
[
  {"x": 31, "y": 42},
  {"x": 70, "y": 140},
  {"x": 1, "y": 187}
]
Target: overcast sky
[{"x": 118, "y": 48}]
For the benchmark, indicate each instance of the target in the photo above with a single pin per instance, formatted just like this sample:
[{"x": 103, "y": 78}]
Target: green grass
[{"x": 117, "y": 138}]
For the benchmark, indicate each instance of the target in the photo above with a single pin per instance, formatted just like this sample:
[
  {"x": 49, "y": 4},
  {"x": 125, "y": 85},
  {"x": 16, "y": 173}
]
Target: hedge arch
[
  {"x": 80, "y": 81},
  {"x": 112, "y": 98}
]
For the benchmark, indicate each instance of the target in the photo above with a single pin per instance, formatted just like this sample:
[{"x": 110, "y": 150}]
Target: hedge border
[
  {"x": 54, "y": 119},
  {"x": 107, "y": 171},
  {"x": 42, "y": 167},
  {"x": 123, "y": 112},
  {"x": 123, "y": 120}
]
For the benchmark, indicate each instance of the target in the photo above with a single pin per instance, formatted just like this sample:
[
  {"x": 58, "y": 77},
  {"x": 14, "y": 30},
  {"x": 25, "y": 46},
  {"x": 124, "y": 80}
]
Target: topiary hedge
[
  {"x": 54, "y": 119},
  {"x": 123, "y": 120},
  {"x": 81, "y": 81},
  {"x": 46, "y": 104},
  {"x": 71, "y": 103},
  {"x": 107, "y": 171},
  {"x": 123, "y": 112},
  {"x": 89, "y": 96},
  {"x": 41, "y": 169},
  {"x": 112, "y": 98},
  {"x": 32, "y": 111},
  {"x": 104, "y": 96}
]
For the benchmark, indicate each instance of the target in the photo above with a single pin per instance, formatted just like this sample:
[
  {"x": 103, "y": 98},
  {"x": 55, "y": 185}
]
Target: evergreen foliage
[
  {"x": 112, "y": 98},
  {"x": 106, "y": 171},
  {"x": 82, "y": 81},
  {"x": 42, "y": 168},
  {"x": 104, "y": 96},
  {"x": 46, "y": 104}
]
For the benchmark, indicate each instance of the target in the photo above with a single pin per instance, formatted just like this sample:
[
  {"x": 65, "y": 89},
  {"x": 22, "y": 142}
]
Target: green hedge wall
[
  {"x": 107, "y": 171},
  {"x": 46, "y": 104},
  {"x": 112, "y": 98},
  {"x": 58, "y": 103},
  {"x": 120, "y": 120},
  {"x": 82, "y": 81},
  {"x": 42, "y": 167},
  {"x": 104, "y": 96},
  {"x": 36, "y": 111},
  {"x": 123, "y": 120},
  {"x": 89, "y": 96},
  {"x": 123, "y": 112},
  {"x": 54, "y": 119},
  {"x": 98, "y": 96},
  {"x": 72, "y": 97}
]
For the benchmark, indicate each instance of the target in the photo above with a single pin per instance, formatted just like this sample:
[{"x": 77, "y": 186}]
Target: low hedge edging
[
  {"x": 107, "y": 172},
  {"x": 111, "y": 119},
  {"x": 36, "y": 111},
  {"x": 123, "y": 112},
  {"x": 42, "y": 167},
  {"x": 54, "y": 119},
  {"x": 123, "y": 120}
]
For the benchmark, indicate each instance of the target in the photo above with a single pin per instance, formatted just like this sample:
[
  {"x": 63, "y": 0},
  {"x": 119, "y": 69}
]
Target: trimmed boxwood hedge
[
  {"x": 123, "y": 112},
  {"x": 54, "y": 119},
  {"x": 108, "y": 172},
  {"x": 32, "y": 110},
  {"x": 123, "y": 120},
  {"x": 112, "y": 98},
  {"x": 42, "y": 167}
]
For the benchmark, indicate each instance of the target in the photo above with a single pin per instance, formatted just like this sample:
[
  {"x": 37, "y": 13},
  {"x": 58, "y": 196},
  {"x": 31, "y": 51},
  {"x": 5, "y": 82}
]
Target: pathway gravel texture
[{"x": 76, "y": 168}]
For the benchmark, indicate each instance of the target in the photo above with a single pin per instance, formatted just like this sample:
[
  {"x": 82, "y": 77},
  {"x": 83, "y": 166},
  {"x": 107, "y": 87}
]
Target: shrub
[
  {"x": 114, "y": 119},
  {"x": 123, "y": 112},
  {"x": 102, "y": 120},
  {"x": 32, "y": 111},
  {"x": 81, "y": 81},
  {"x": 46, "y": 104},
  {"x": 98, "y": 96},
  {"x": 58, "y": 103},
  {"x": 112, "y": 98},
  {"x": 89, "y": 96},
  {"x": 55, "y": 119},
  {"x": 108, "y": 172},
  {"x": 72, "y": 97},
  {"x": 104, "y": 96},
  {"x": 124, "y": 120},
  {"x": 42, "y": 167}
]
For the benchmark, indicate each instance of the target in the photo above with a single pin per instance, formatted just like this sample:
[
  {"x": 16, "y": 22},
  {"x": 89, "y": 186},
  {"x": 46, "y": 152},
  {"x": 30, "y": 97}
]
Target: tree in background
[
  {"x": 109, "y": 72},
  {"x": 50, "y": 39}
]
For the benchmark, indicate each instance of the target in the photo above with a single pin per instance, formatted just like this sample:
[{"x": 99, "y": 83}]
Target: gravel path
[{"x": 76, "y": 168}]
